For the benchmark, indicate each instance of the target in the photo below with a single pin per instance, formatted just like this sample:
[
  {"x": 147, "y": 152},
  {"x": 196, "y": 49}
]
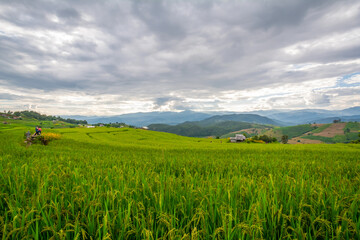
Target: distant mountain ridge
[
  {"x": 147, "y": 118},
  {"x": 353, "y": 118},
  {"x": 293, "y": 117},
  {"x": 279, "y": 117}
]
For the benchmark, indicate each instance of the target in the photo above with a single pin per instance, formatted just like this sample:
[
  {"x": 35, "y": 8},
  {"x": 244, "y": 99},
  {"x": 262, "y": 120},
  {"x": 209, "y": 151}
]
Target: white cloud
[{"x": 353, "y": 79}]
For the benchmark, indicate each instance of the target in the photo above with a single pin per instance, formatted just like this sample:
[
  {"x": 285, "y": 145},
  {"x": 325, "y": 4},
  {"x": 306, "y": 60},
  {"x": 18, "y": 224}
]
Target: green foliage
[
  {"x": 111, "y": 183},
  {"x": 265, "y": 138},
  {"x": 285, "y": 139},
  {"x": 346, "y": 130},
  {"x": 353, "y": 126}
]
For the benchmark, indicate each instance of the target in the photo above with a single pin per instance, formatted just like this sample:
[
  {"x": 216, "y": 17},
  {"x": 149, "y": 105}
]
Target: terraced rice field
[{"x": 106, "y": 183}]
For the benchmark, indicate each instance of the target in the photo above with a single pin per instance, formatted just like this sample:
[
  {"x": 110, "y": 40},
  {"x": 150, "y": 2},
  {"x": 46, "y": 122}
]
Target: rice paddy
[{"x": 108, "y": 183}]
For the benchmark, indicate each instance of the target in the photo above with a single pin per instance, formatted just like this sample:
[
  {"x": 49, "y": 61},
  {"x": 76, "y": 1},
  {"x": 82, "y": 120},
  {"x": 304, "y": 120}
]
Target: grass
[{"x": 108, "y": 183}]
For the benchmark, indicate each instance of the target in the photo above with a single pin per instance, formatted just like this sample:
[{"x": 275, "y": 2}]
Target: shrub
[
  {"x": 264, "y": 138},
  {"x": 46, "y": 138},
  {"x": 252, "y": 140},
  {"x": 284, "y": 139},
  {"x": 51, "y": 136}
]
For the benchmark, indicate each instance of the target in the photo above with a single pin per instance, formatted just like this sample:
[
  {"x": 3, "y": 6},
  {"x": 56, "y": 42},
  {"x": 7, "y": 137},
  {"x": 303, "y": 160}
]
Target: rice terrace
[{"x": 125, "y": 183}]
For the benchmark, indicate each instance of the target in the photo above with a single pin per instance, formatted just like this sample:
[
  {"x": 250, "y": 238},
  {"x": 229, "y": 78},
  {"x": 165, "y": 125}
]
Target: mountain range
[
  {"x": 293, "y": 117},
  {"x": 272, "y": 117}
]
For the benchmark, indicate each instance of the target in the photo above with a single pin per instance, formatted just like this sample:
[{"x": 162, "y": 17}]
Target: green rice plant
[{"x": 135, "y": 184}]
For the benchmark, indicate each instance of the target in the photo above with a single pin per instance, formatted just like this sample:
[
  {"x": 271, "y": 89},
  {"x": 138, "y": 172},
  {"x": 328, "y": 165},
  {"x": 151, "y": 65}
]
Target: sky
[{"x": 114, "y": 57}]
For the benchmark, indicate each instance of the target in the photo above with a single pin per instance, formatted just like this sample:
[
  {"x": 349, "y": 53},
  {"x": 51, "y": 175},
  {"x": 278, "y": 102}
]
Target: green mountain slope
[
  {"x": 326, "y": 133},
  {"x": 335, "y": 133},
  {"x": 194, "y": 129},
  {"x": 216, "y": 125}
]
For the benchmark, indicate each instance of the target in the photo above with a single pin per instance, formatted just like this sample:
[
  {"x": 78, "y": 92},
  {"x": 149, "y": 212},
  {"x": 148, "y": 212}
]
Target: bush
[
  {"x": 284, "y": 139},
  {"x": 51, "y": 136},
  {"x": 252, "y": 140},
  {"x": 264, "y": 138}
]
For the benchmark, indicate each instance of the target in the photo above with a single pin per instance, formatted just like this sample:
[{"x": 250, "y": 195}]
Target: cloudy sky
[{"x": 113, "y": 57}]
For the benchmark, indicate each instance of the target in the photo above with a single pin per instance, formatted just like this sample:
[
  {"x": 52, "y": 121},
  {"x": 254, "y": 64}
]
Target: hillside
[
  {"x": 196, "y": 129},
  {"x": 305, "y": 116},
  {"x": 318, "y": 133},
  {"x": 216, "y": 125},
  {"x": 291, "y": 131},
  {"x": 352, "y": 118},
  {"x": 12, "y": 121},
  {"x": 334, "y": 133}
]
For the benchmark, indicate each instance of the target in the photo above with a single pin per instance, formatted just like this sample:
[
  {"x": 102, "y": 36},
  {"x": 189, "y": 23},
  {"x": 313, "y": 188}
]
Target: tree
[{"x": 284, "y": 139}]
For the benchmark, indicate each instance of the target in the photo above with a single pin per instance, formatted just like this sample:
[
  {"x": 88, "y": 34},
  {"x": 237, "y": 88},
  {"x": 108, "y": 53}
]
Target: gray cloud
[
  {"x": 146, "y": 50},
  {"x": 8, "y": 96},
  {"x": 69, "y": 14}
]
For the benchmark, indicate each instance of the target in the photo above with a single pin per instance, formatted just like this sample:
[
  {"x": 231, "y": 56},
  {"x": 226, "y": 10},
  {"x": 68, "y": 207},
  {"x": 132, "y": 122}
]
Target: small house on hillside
[{"x": 237, "y": 138}]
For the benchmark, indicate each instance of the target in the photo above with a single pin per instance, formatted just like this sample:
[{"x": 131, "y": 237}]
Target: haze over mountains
[{"x": 272, "y": 117}]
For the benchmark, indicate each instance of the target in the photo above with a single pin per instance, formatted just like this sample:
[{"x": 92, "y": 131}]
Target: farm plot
[{"x": 134, "y": 184}]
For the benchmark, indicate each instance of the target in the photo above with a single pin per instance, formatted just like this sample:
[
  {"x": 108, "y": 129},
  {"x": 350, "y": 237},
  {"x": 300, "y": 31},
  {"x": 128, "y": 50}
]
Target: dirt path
[{"x": 333, "y": 130}]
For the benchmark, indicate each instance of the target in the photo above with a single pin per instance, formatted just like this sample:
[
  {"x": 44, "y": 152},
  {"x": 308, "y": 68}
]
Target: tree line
[{"x": 44, "y": 117}]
